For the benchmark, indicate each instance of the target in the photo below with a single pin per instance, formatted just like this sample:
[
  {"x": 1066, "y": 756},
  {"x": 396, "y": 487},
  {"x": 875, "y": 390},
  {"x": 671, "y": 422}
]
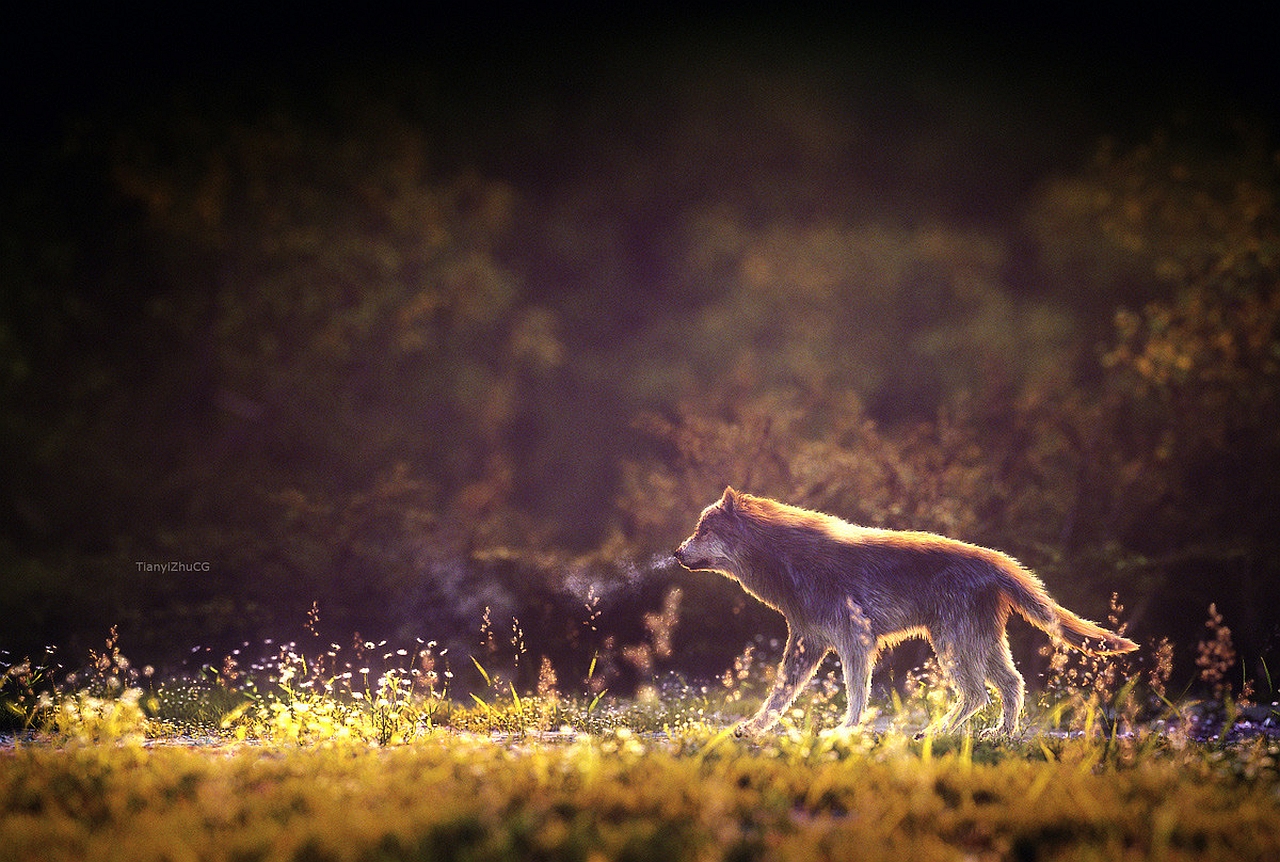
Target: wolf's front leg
[
  {"x": 799, "y": 661},
  {"x": 857, "y": 683}
]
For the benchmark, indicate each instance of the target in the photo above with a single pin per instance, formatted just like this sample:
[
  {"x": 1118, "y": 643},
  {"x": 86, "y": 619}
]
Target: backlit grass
[
  {"x": 622, "y": 795},
  {"x": 317, "y": 758}
]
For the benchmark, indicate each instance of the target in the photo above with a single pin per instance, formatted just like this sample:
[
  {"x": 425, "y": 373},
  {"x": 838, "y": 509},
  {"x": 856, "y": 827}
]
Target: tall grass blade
[{"x": 715, "y": 741}]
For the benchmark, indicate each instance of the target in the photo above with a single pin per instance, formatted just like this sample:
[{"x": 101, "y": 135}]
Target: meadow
[
  {"x": 623, "y": 795},
  {"x": 308, "y": 759}
]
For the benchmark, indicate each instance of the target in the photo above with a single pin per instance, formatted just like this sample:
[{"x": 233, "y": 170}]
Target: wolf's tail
[{"x": 1027, "y": 595}]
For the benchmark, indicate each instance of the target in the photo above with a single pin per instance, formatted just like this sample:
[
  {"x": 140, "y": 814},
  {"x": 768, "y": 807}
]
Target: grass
[
  {"x": 623, "y": 795},
  {"x": 370, "y": 760},
  {"x": 620, "y": 780}
]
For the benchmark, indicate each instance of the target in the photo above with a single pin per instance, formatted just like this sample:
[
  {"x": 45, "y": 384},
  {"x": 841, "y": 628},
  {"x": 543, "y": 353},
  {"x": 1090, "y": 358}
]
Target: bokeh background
[{"x": 406, "y": 317}]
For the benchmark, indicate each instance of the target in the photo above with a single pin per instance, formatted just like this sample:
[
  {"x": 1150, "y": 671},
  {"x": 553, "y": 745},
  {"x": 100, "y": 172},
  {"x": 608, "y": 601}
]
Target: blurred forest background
[{"x": 412, "y": 323}]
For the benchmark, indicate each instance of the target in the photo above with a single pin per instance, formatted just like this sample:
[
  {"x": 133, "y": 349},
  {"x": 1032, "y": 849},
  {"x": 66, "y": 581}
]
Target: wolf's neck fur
[{"x": 766, "y": 551}]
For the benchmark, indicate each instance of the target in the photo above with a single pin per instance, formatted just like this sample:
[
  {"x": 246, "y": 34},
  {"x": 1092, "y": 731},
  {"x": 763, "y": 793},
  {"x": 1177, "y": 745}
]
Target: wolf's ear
[{"x": 729, "y": 501}]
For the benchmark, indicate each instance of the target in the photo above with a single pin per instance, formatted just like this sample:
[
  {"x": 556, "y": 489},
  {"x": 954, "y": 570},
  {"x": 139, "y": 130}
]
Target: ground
[{"x": 690, "y": 791}]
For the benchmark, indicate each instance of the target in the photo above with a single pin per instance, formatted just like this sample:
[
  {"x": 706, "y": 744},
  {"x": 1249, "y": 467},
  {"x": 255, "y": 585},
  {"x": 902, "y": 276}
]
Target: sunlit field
[
  {"x": 319, "y": 757},
  {"x": 619, "y": 794}
]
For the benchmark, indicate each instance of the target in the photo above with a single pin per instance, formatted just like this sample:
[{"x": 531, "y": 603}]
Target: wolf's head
[{"x": 711, "y": 545}]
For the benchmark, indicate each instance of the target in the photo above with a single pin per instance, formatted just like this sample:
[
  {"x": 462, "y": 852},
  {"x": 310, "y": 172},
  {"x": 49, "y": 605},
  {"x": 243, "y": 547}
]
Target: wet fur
[{"x": 857, "y": 590}]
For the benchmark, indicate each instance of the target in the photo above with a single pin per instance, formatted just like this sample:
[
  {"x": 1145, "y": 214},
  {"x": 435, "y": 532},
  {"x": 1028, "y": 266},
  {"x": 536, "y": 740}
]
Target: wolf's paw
[
  {"x": 851, "y": 734},
  {"x": 933, "y": 729}
]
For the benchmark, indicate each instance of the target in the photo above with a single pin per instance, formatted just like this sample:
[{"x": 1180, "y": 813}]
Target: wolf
[{"x": 859, "y": 590}]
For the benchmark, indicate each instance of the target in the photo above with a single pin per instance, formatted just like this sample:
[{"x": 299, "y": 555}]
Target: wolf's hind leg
[
  {"x": 799, "y": 661},
  {"x": 968, "y": 676},
  {"x": 973, "y": 697},
  {"x": 1002, "y": 672}
]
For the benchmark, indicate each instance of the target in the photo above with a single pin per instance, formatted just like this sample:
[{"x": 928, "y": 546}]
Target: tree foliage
[{"x": 296, "y": 343}]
